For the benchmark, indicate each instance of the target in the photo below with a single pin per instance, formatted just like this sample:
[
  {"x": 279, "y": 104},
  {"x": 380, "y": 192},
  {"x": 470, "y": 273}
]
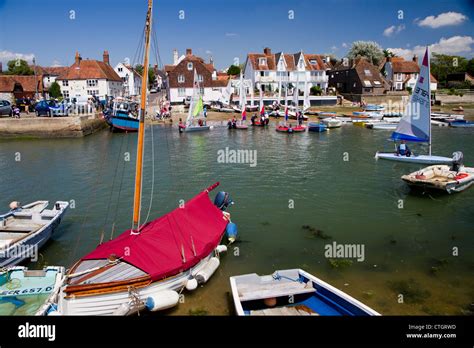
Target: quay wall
[{"x": 51, "y": 127}]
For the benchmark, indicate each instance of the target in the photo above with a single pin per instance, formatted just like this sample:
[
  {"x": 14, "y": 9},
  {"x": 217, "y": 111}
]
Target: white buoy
[
  {"x": 208, "y": 270},
  {"x": 162, "y": 300},
  {"x": 221, "y": 249},
  {"x": 191, "y": 284}
]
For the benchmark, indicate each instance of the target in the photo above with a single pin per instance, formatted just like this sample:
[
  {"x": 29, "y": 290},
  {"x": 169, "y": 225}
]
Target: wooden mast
[{"x": 141, "y": 127}]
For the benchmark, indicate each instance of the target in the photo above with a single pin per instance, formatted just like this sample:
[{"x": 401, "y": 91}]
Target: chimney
[
  {"x": 189, "y": 51},
  {"x": 267, "y": 51},
  {"x": 106, "y": 57},
  {"x": 77, "y": 59},
  {"x": 415, "y": 58},
  {"x": 211, "y": 60},
  {"x": 175, "y": 57}
]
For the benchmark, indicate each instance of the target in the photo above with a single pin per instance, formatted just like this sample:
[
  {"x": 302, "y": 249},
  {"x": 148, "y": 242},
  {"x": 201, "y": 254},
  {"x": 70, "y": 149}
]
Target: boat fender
[
  {"x": 191, "y": 284},
  {"x": 208, "y": 270},
  {"x": 231, "y": 232},
  {"x": 223, "y": 200},
  {"x": 221, "y": 249},
  {"x": 162, "y": 300}
]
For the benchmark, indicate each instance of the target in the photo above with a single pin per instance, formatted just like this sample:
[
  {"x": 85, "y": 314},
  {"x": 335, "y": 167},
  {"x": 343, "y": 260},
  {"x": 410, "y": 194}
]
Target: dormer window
[
  {"x": 181, "y": 79},
  {"x": 313, "y": 62},
  {"x": 262, "y": 61},
  {"x": 200, "y": 78},
  {"x": 190, "y": 66}
]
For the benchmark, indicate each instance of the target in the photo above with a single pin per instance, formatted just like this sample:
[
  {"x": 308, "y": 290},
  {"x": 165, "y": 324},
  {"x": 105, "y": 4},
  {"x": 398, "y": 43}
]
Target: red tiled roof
[
  {"x": 405, "y": 66},
  {"x": 433, "y": 79},
  {"x": 28, "y": 83},
  {"x": 89, "y": 69},
  {"x": 290, "y": 61},
  {"x": 51, "y": 70}
]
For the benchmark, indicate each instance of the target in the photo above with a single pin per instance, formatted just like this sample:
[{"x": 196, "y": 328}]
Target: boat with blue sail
[
  {"x": 292, "y": 292},
  {"x": 415, "y": 125}
]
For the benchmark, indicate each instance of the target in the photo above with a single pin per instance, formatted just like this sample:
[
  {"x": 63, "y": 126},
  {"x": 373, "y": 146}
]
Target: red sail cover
[{"x": 195, "y": 230}]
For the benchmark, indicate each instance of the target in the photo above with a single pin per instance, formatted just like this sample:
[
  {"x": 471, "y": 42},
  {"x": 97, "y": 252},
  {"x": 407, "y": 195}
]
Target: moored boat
[
  {"x": 332, "y": 122},
  {"x": 317, "y": 127},
  {"x": 292, "y": 292},
  {"x": 25, "y": 229},
  {"x": 29, "y": 292},
  {"x": 461, "y": 124}
]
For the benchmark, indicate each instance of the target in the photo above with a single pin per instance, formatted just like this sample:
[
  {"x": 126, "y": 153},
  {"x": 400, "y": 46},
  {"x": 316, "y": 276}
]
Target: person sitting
[
  {"x": 290, "y": 129},
  {"x": 253, "y": 118},
  {"x": 229, "y": 124},
  {"x": 266, "y": 119},
  {"x": 403, "y": 149}
]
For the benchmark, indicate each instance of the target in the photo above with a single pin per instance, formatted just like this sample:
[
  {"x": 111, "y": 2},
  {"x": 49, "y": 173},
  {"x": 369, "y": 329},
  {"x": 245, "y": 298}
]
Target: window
[
  {"x": 65, "y": 83},
  {"x": 377, "y": 83},
  {"x": 399, "y": 77},
  {"x": 264, "y": 73},
  {"x": 181, "y": 79},
  {"x": 367, "y": 72},
  {"x": 262, "y": 61},
  {"x": 92, "y": 83},
  {"x": 181, "y": 92},
  {"x": 367, "y": 90},
  {"x": 200, "y": 78},
  {"x": 355, "y": 84},
  {"x": 201, "y": 90},
  {"x": 48, "y": 79},
  {"x": 92, "y": 92},
  {"x": 190, "y": 66},
  {"x": 301, "y": 64},
  {"x": 124, "y": 79},
  {"x": 313, "y": 62},
  {"x": 120, "y": 69},
  {"x": 367, "y": 83},
  {"x": 65, "y": 94}
]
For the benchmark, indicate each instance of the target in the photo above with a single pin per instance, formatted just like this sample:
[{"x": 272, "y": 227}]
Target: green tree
[
  {"x": 470, "y": 67},
  {"x": 367, "y": 49},
  {"x": 151, "y": 73},
  {"x": 19, "y": 67},
  {"x": 55, "y": 90},
  {"x": 388, "y": 53},
  {"x": 139, "y": 68},
  {"x": 233, "y": 70},
  {"x": 443, "y": 64},
  {"x": 316, "y": 90}
]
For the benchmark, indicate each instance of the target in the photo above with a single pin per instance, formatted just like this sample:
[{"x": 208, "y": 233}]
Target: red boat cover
[{"x": 195, "y": 230}]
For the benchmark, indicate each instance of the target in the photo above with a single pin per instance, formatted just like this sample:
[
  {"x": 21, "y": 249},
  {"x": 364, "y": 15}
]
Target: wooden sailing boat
[
  {"x": 148, "y": 265},
  {"x": 416, "y": 126}
]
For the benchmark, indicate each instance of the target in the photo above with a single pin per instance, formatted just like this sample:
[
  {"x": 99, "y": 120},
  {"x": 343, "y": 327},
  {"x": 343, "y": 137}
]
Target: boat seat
[
  {"x": 252, "y": 292},
  {"x": 299, "y": 310}
]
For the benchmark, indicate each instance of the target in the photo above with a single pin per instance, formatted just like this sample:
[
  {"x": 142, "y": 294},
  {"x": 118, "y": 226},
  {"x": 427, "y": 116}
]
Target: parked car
[
  {"x": 51, "y": 108},
  {"x": 5, "y": 108},
  {"x": 153, "y": 90}
]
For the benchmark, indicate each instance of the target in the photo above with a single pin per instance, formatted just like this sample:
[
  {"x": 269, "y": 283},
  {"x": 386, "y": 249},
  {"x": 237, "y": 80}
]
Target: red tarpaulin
[{"x": 196, "y": 229}]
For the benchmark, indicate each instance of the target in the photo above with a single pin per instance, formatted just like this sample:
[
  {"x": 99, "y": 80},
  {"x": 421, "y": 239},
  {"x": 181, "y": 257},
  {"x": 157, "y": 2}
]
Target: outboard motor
[
  {"x": 458, "y": 159},
  {"x": 223, "y": 200}
]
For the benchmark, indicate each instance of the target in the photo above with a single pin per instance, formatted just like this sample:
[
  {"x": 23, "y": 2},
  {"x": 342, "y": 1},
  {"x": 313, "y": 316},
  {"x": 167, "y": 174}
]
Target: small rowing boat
[
  {"x": 317, "y": 127},
  {"x": 332, "y": 122},
  {"x": 292, "y": 292},
  {"x": 461, "y": 124}
]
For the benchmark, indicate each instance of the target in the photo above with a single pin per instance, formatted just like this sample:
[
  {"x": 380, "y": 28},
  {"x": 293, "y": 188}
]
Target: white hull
[
  {"x": 384, "y": 126},
  {"x": 196, "y": 129},
  {"x": 332, "y": 122},
  {"x": 425, "y": 159},
  {"x": 109, "y": 304}
]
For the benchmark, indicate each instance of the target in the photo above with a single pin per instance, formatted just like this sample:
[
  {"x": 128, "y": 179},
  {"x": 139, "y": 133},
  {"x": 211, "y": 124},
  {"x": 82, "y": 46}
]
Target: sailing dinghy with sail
[
  {"x": 415, "y": 125},
  {"x": 196, "y": 109}
]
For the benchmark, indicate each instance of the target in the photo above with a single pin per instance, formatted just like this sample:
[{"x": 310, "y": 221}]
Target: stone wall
[{"x": 51, "y": 127}]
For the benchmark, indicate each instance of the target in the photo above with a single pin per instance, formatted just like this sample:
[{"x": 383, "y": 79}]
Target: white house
[
  {"x": 132, "y": 80},
  {"x": 87, "y": 78},
  {"x": 268, "y": 72},
  {"x": 181, "y": 78}
]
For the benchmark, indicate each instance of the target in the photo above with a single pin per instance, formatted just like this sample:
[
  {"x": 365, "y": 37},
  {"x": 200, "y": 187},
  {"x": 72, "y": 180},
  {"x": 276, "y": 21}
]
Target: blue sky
[{"x": 228, "y": 29}]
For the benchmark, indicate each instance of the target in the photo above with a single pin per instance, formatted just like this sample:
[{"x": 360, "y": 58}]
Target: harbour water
[{"x": 329, "y": 182}]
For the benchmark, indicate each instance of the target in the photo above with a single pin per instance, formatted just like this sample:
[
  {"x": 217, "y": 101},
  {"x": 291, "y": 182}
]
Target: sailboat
[
  {"x": 287, "y": 128},
  {"x": 195, "y": 110},
  {"x": 242, "y": 101},
  {"x": 147, "y": 266},
  {"x": 416, "y": 126}
]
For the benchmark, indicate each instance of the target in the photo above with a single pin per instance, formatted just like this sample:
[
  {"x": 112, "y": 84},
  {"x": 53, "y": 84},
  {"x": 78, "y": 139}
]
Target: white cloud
[
  {"x": 344, "y": 45},
  {"x": 454, "y": 45},
  {"x": 393, "y": 30},
  {"x": 334, "y": 48},
  {"x": 6, "y": 56},
  {"x": 442, "y": 20},
  {"x": 231, "y": 34},
  {"x": 208, "y": 52},
  {"x": 56, "y": 63}
]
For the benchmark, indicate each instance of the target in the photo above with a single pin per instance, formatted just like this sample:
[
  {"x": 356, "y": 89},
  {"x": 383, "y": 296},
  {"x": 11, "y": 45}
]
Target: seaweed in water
[
  {"x": 198, "y": 312},
  {"x": 340, "y": 263},
  {"x": 315, "y": 233},
  {"x": 439, "y": 264},
  {"x": 412, "y": 292}
]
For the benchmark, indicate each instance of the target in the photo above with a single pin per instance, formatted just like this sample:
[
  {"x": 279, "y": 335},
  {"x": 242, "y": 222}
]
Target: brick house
[{"x": 180, "y": 76}]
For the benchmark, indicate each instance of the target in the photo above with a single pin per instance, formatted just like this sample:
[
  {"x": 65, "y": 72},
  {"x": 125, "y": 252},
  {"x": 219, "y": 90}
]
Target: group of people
[{"x": 264, "y": 119}]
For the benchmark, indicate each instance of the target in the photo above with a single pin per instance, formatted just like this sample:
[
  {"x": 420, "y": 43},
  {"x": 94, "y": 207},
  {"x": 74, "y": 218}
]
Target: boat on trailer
[
  {"x": 25, "y": 229},
  {"x": 292, "y": 292},
  {"x": 415, "y": 125},
  {"x": 450, "y": 179},
  {"x": 29, "y": 292}
]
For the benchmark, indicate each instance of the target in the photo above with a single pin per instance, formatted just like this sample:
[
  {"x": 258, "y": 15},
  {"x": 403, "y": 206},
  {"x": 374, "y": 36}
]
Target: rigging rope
[{"x": 152, "y": 173}]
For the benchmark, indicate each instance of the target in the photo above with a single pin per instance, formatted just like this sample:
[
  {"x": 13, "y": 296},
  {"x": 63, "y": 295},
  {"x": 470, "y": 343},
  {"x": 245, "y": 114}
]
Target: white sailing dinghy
[
  {"x": 149, "y": 265},
  {"x": 415, "y": 125},
  {"x": 196, "y": 110}
]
